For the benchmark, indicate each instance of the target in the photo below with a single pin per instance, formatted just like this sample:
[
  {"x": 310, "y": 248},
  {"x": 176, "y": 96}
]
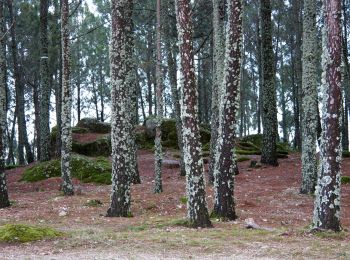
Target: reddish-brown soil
[{"x": 269, "y": 195}]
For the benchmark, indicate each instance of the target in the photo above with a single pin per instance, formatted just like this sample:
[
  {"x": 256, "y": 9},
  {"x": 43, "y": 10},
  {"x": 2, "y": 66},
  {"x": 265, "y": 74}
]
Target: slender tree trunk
[
  {"x": 149, "y": 74},
  {"x": 224, "y": 205},
  {"x": 66, "y": 137},
  {"x": 309, "y": 99},
  {"x": 327, "y": 201},
  {"x": 259, "y": 59},
  {"x": 218, "y": 57},
  {"x": 159, "y": 101},
  {"x": 269, "y": 115},
  {"x": 196, "y": 203},
  {"x": 4, "y": 199},
  {"x": 119, "y": 64},
  {"x": 44, "y": 84},
  {"x": 22, "y": 129}
]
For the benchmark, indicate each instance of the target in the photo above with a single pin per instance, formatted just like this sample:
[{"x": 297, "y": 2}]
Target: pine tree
[
  {"x": 159, "y": 101},
  {"x": 269, "y": 110},
  {"x": 120, "y": 120},
  {"x": 44, "y": 85},
  {"x": 66, "y": 132},
  {"x": 4, "y": 200},
  {"x": 196, "y": 203},
  {"x": 327, "y": 201},
  {"x": 309, "y": 99},
  {"x": 224, "y": 205}
]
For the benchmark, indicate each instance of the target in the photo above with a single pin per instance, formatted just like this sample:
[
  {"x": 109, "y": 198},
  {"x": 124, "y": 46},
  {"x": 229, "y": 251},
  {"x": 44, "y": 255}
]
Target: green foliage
[
  {"x": 206, "y": 147},
  {"x": 26, "y": 233},
  {"x": 94, "y": 126},
  {"x": 83, "y": 168},
  {"x": 346, "y": 154},
  {"x": 183, "y": 200},
  {"x": 345, "y": 180},
  {"x": 11, "y": 166},
  {"x": 247, "y": 152}
]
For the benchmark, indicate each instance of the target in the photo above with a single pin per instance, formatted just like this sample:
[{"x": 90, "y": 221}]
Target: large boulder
[{"x": 94, "y": 126}]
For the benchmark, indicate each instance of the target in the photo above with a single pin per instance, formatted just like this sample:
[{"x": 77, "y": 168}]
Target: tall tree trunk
[
  {"x": 119, "y": 59},
  {"x": 327, "y": 201},
  {"x": 4, "y": 199},
  {"x": 218, "y": 57},
  {"x": 66, "y": 137},
  {"x": 196, "y": 203},
  {"x": 259, "y": 59},
  {"x": 309, "y": 99},
  {"x": 224, "y": 205},
  {"x": 269, "y": 110},
  {"x": 36, "y": 100},
  {"x": 158, "y": 188},
  {"x": 44, "y": 84},
  {"x": 149, "y": 73},
  {"x": 22, "y": 129}
]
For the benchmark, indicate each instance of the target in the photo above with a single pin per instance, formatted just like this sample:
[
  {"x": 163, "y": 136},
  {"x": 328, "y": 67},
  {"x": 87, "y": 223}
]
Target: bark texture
[
  {"x": 158, "y": 157},
  {"x": 309, "y": 99},
  {"x": 327, "y": 201},
  {"x": 224, "y": 205},
  {"x": 196, "y": 203},
  {"x": 4, "y": 199},
  {"x": 66, "y": 134},
  {"x": 120, "y": 118},
  {"x": 269, "y": 110},
  {"x": 44, "y": 85},
  {"x": 218, "y": 57}
]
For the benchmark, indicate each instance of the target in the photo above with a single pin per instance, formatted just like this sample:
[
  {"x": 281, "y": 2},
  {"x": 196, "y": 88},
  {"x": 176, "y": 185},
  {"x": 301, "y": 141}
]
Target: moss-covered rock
[
  {"x": 94, "y": 126},
  {"x": 83, "y": 168},
  {"x": 26, "y": 233},
  {"x": 99, "y": 147}
]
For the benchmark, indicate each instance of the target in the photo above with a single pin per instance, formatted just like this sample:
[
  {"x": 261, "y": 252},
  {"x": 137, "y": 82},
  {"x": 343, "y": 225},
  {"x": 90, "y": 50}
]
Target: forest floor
[{"x": 268, "y": 195}]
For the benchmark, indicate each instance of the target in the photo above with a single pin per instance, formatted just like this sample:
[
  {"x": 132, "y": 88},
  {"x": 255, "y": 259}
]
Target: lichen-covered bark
[
  {"x": 66, "y": 134},
  {"x": 269, "y": 110},
  {"x": 120, "y": 118},
  {"x": 196, "y": 202},
  {"x": 309, "y": 99},
  {"x": 218, "y": 57},
  {"x": 327, "y": 201},
  {"x": 4, "y": 200},
  {"x": 44, "y": 85},
  {"x": 158, "y": 157},
  {"x": 224, "y": 205}
]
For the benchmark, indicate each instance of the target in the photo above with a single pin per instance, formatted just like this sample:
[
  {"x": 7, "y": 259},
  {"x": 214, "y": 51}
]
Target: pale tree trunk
[
  {"x": 119, "y": 56},
  {"x": 218, "y": 57},
  {"x": 131, "y": 82},
  {"x": 4, "y": 199},
  {"x": 269, "y": 110},
  {"x": 309, "y": 99},
  {"x": 44, "y": 94},
  {"x": 158, "y": 157},
  {"x": 327, "y": 201},
  {"x": 197, "y": 210},
  {"x": 22, "y": 129},
  {"x": 224, "y": 204},
  {"x": 66, "y": 135}
]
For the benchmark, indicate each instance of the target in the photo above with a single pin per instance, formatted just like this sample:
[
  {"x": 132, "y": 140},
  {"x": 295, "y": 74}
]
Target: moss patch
[
  {"x": 345, "y": 180},
  {"x": 83, "y": 168},
  {"x": 25, "y": 233},
  {"x": 242, "y": 158}
]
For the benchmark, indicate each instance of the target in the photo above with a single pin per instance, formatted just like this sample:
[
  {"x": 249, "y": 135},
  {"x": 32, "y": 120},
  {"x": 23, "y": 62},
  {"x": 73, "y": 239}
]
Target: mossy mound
[
  {"x": 94, "y": 126},
  {"x": 99, "y": 147},
  {"x": 83, "y": 168},
  {"x": 242, "y": 158},
  {"x": 26, "y": 233}
]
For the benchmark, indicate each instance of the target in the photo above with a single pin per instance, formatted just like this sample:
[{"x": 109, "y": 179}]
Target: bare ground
[{"x": 268, "y": 195}]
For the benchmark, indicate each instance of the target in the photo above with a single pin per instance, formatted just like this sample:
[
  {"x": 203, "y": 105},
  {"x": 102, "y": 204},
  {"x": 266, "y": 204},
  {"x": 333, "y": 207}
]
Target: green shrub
[
  {"x": 83, "y": 168},
  {"x": 25, "y": 233}
]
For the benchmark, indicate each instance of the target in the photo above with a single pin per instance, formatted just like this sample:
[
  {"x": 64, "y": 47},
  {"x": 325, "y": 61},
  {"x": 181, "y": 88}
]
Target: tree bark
[
  {"x": 327, "y": 201},
  {"x": 66, "y": 136},
  {"x": 224, "y": 205},
  {"x": 196, "y": 203}
]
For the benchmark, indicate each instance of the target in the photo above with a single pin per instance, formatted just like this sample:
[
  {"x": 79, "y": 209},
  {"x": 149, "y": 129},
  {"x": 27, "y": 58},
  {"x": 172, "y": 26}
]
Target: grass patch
[
  {"x": 25, "y": 233},
  {"x": 93, "y": 203},
  {"x": 83, "y": 168},
  {"x": 183, "y": 200},
  {"x": 345, "y": 180}
]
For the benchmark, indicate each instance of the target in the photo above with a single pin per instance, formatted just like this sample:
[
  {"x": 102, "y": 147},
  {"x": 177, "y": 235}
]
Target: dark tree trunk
[
  {"x": 327, "y": 201},
  {"x": 197, "y": 205},
  {"x": 269, "y": 110}
]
